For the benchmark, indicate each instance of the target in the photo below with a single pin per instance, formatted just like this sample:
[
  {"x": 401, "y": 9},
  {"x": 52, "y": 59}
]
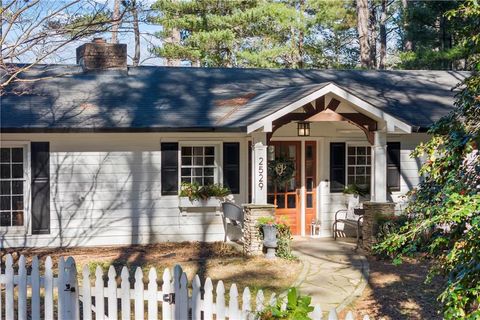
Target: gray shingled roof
[{"x": 161, "y": 98}]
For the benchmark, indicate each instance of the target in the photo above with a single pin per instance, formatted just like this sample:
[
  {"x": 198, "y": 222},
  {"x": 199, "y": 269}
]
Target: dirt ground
[
  {"x": 215, "y": 260},
  {"x": 398, "y": 292}
]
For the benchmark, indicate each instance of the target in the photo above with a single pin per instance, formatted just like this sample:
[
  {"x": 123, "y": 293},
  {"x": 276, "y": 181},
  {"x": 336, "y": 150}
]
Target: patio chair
[
  {"x": 233, "y": 217},
  {"x": 351, "y": 217}
]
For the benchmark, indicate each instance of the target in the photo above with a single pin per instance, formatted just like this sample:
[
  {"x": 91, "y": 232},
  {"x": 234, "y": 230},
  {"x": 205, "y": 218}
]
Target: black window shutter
[
  {"x": 393, "y": 166},
  {"x": 231, "y": 166},
  {"x": 40, "y": 163},
  {"x": 337, "y": 167},
  {"x": 169, "y": 168}
]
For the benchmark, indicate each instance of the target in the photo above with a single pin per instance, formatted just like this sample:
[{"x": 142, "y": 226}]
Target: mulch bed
[{"x": 399, "y": 292}]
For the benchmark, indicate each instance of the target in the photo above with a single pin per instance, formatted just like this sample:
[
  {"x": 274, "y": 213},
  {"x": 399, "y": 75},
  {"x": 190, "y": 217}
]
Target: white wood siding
[{"x": 106, "y": 189}]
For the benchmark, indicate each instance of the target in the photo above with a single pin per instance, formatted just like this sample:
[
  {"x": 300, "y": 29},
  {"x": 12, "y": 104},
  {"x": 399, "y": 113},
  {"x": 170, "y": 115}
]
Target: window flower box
[{"x": 185, "y": 202}]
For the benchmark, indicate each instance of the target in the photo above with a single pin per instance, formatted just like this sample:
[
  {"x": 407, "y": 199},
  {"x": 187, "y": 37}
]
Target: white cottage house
[{"x": 94, "y": 153}]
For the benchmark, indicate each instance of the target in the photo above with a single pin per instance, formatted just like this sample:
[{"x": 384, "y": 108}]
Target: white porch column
[
  {"x": 259, "y": 174},
  {"x": 379, "y": 161}
]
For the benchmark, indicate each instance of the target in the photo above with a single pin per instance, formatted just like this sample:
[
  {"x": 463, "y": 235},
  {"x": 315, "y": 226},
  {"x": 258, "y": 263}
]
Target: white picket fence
[{"x": 64, "y": 299}]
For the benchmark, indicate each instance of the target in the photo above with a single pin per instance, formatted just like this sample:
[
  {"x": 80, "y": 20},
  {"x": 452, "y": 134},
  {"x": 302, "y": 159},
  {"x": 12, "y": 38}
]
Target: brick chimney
[{"x": 100, "y": 55}]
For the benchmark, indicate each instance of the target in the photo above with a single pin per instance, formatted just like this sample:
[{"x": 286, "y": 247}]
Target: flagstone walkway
[{"x": 333, "y": 273}]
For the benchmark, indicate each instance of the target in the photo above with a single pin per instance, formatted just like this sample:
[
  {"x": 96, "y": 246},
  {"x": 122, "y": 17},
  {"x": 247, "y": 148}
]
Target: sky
[{"x": 66, "y": 55}]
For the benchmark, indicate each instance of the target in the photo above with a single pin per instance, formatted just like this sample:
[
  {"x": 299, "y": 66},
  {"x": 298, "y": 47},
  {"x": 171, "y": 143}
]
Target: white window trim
[
  {"x": 26, "y": 190},
  {"x": 218, "y": 162}
]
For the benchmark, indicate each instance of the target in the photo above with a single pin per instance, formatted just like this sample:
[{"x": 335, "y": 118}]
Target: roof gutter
[{"x": 122, "y": 130}]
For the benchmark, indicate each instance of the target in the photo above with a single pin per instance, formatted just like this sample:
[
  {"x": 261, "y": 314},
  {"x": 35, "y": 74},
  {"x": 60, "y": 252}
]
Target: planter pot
[{"x": 270, "y": 240}]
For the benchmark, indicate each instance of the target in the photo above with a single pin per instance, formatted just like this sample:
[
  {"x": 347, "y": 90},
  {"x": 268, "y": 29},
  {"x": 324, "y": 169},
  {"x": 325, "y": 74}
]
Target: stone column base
[
  {"x": 369, "y": 227},
  {"x": 252, "y": 244}
]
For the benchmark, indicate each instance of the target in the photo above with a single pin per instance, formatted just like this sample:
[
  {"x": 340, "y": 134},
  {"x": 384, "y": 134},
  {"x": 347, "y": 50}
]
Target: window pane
[
  {"x": 186, "y": 179},
  {"x": 186, "y": 161},
  {"x": 5, "y": 219},
  {"x": 369, "y": 160},
  {"x": 309, "y": 152},
  {"x": 360, "y": 170},
  {"x": 198, "y": 151},
  {"x": 17, "y": 170},
  {"x": 5, "y": 171},
  {"x": 309, "y": 200},
  {"x": 186, "y": 151},
  {"x": 291, "y": 201},
  {"x": 198, "y": 161},
  {"x": 361, "y": 151},
  {"x": 17, "y": 203},
  {"x": 17, "y": 155},
  {"x": 367, "y": 170},
  {"x": 281, "y": 201},
  {"x": 186, "y": 172},
  {"x": 17, "y": 218},
  {"x": 208, "y": 180},
  {"x": 5, "y": 155},
  {"x": 351, "y": 160},
  {"x": 351, "y": 151},
  {"x": 351, "y": 170},
  {"x": 5, "y": 203},
  {"x": 369, "y": 150},
  {"x": 209, "y": 151},
  {"x": 5, "y": 187},
  {"x": 361, "y": 160},
  {"x": 351, "y": 180},
  {"x": 270, "y": 199},
  {"x": 17, "y": 187},
  {"x": 208, "y": 171},
  {"x": 198, "y": 180},
  {"x": 198, "y": 172},
  {"x": 209, "y": 161}
]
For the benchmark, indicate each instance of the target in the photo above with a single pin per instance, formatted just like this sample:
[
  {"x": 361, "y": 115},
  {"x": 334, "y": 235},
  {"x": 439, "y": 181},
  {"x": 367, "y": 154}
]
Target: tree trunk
[
  {"x": 136, "y": 31},
  {"x": 408, "y": 44},
  {"x": 116, "y": 21},
  {"x": 362, "y": 28},
  {"x": 383, "y": 36},
  {"x": 175, "y": 39},
  {"x": 372, "y": 34}
]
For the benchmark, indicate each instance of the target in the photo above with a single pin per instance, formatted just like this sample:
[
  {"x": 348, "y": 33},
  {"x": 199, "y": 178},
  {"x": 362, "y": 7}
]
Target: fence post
[
  {"x": 35, "y": 280},
  {"x": 71, "y": 307},
  {"x": 196, "y": 287},
  {"x": 48, "y": 284},
  {"x": 138, "y": 288},
  {"x": 60, "y": 287},
  {"x": 259, "y": 301},
  {"x": 208, "y": 300},
  {"x": 9, "y": 307},
  {"x": 152, "y": 294},
  {"x": 99, "y": 294},
  {"x": 233, "y": 311},
  {"x": 112, "y": 293},
  {"x": 177, "y": 273},
  {"x": 220, "y": 301},
  {"x": 87, "y": 294},
  {"x": 246, "y": 306},
  {"x": 22, "y": 289},
  {"x": 125, "y": 294},
  {"x": 166, "y": 290}
]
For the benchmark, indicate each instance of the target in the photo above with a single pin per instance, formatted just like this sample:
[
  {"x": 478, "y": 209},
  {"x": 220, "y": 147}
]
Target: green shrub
[
  {"x": 194, "y": 191},
  {"x": 298, "y": 308},
  {"x": 284, "y": 236}
]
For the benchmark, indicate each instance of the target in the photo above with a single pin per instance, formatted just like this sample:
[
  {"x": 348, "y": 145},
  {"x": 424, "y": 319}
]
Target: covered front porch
[{"x": 321, "y": 144}]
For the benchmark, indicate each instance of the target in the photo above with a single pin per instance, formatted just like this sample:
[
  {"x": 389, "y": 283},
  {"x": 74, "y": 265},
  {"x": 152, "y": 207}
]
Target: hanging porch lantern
[{"x": 303, "y": 129}]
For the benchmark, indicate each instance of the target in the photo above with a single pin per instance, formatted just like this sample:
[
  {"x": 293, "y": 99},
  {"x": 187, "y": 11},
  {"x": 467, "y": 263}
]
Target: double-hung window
[
  {"x": 12, "y": 186},
  {"x": 359, "y": 166},
  {"x": 198, "y": 165}
]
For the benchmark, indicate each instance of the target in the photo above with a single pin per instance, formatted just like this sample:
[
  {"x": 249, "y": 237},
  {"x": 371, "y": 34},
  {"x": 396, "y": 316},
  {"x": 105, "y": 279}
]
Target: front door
[{"x": 286, "y": 194}]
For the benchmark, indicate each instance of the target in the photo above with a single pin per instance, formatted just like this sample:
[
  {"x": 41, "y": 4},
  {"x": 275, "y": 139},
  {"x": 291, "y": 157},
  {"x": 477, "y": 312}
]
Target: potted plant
[
  {"x": 356, "y": 191},
  {"x": 192, "y": 195},
  {"x": 269, "y": 229}
]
